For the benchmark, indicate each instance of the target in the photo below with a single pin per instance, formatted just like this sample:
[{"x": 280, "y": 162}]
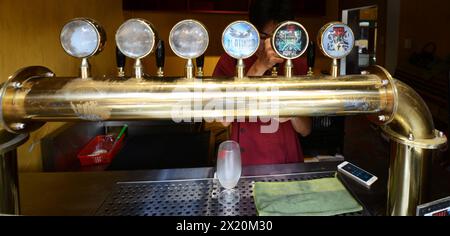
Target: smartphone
[{"x": 359, "y": 175}]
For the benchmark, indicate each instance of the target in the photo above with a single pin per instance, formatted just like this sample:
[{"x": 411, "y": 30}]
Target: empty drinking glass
[{"x": 229, "y": 171}]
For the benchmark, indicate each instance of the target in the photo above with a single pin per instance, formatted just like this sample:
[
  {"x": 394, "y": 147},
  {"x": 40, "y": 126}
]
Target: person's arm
[
  {"x": 302, "y": 125},
  {"x": 225, "y": 67}
]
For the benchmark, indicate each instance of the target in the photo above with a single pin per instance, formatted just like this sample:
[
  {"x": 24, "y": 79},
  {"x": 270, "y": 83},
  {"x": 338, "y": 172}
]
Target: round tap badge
[
  {"x": 189, "y": 39},
  {"x": 82, "y": 38},
  {"x": 136, "y": 38},
  {"x": 240, "y": 40},
  {"x": 290, "y": 40},
  {"x": 336, "y": 40}
]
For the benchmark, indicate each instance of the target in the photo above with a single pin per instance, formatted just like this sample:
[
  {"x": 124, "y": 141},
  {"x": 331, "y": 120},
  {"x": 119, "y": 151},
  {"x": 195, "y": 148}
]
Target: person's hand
[
  {"x": 283, "y": 120},
  {"x": 267, "y": 58}
]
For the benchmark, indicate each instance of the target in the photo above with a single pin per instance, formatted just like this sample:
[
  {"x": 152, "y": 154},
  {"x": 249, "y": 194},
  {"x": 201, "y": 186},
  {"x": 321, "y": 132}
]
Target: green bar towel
[{"x": 320, "y": 197}]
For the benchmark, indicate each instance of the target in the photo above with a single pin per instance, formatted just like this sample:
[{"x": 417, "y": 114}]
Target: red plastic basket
[{"x": 100, "y": 150}]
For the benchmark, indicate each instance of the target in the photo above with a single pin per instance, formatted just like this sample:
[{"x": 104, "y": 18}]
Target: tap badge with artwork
[
  {"x": 290, "y": 40},
  {"x": 337, "y": 40},
  {"x": 240, "y": 40}
]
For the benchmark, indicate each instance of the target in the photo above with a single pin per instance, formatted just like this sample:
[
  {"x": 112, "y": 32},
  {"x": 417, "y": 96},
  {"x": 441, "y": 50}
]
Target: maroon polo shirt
[{"x": 258, "y": 148}]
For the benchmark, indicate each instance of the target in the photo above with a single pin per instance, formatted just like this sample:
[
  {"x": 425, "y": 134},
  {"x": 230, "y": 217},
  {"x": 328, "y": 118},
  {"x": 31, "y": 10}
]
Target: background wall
[
  {"x": 422, "y": 22},
  {"x": 382, "y": 22},
  {"x": 29, "y": 35},
  {"x": 393, "y": 24}
]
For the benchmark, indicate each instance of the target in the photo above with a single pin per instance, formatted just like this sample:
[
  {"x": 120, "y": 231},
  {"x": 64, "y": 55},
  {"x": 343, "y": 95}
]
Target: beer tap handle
[
  {"x": 120, "y": 61},
  {"x": 200, "y": 61},
  {"x": 160, "y": 58},
  {"x": 311, "y": 57}
]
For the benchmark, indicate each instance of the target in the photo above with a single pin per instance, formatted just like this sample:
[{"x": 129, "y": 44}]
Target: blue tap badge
[
  {"x": 337, "y": 40},
  {"x": 240, "y": 40},
  {"x": 290, "y": 40}
]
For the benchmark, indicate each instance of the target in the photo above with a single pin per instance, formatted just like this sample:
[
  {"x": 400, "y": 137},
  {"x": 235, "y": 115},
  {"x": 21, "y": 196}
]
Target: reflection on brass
[
  {"x": 74, "y": 99},
  {"x": 85, "y": 69},
  {"x": 335, "y": 72},
  {"x": 138, "y": 69},
  {"x": 17, "y": 83},
  {"x": 189, "y": 69},
  {"x": 240, "y": 68},
  {"x": 408, "y": 177},
  {"x": 288, "y": 68},
  {"x": 387, "y": 116}
]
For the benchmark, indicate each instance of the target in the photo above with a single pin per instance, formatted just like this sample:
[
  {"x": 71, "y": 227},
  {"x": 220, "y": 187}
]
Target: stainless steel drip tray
[{"x": 196, "y": 197}]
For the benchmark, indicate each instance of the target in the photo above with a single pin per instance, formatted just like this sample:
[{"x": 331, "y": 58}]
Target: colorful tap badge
[
  {"x": 240, "y": 40},
  {"x": 337, "y": 40},
  {"x": 290, "y": 40}
]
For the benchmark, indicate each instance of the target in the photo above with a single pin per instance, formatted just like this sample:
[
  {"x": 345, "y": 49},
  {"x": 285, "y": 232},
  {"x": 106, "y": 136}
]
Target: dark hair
[{"x": 263, "y": 11}]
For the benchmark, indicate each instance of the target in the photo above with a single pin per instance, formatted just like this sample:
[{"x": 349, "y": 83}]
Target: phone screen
[{"x": 365, "y": 176}]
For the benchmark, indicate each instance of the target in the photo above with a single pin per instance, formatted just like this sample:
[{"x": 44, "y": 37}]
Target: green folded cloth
[{"x": 320, "y": 197}]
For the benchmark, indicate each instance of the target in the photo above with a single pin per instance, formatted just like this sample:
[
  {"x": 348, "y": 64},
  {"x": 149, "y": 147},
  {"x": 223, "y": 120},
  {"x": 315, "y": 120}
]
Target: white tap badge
[
  {"x": 82, "y": 38},
  {"x": 189, "y": 39},
  {"x": 136, "y": 38},
  {"x": 337, "y": 40},
  {"x": 240, "y": 40}
]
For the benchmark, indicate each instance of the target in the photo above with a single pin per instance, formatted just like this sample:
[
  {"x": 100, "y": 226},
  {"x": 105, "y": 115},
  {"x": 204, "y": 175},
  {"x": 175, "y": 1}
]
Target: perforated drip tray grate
[{"x": 189, "y": 197}]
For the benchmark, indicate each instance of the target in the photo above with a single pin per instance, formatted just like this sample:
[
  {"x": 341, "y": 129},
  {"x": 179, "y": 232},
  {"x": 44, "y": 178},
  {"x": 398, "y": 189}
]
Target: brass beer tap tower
[{"x": 33, "y": 96}]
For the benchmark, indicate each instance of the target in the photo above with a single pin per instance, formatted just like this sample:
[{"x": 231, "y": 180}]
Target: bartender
[{"x": 282, "y": 146}]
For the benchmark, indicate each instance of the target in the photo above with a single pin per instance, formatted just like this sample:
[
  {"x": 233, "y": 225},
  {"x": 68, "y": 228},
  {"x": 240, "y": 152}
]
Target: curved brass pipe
[
  {"x": 413, "y": 116},
  {"x": 413, "y": 139}
]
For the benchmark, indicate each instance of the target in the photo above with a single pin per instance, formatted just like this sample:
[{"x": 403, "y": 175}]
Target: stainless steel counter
[{"x": 83, "y": 193}]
